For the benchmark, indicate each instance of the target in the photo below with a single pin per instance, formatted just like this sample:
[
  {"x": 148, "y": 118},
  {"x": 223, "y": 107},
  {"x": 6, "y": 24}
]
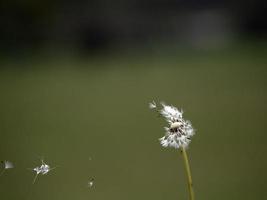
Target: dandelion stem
[
  {"x": 35, "y": 177},
  {"x": 188, "y": 174}
]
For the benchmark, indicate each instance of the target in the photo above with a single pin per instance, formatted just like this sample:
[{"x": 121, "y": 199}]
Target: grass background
[{"x": 70, "y": 110}]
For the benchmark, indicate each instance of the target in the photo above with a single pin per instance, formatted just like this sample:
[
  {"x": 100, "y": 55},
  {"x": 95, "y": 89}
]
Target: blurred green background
[{"x": 91, "y": 118}]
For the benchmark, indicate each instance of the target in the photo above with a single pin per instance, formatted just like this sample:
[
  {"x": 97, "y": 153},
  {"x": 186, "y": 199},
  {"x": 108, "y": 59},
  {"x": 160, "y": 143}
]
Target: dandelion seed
[
  {"x": 179, "y": 132},
  {"x": 178, "y": 135},
  {"x": 91, "y": 182},
  {"x": 152, "y": 105},
  {"x": 43, "y": 169},
  {"x": 6, "y": 165}
]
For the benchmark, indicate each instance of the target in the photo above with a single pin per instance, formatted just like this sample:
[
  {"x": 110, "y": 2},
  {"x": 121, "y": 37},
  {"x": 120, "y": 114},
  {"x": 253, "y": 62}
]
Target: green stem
[{"x": 188, "y": 174}]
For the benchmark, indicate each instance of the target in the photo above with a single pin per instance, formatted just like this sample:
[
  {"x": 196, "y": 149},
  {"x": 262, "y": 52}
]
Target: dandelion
[
  {"x": 6, "y": 165},
  {"x": 179, "y": 132},
  {"x": 43, "y": 169},
  {"x": 178, "y": 135}
]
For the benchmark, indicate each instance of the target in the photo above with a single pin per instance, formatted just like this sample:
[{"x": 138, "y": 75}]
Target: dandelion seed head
[{"x": 179, "y": 132}]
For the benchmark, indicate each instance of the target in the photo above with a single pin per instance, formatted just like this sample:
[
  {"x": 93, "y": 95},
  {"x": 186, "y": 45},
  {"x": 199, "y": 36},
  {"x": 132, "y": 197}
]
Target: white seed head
[{"x": 179, "y": 132}]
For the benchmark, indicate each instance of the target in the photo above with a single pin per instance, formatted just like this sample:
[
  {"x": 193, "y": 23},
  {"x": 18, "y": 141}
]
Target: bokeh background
[{"x": 76, "y": 78}]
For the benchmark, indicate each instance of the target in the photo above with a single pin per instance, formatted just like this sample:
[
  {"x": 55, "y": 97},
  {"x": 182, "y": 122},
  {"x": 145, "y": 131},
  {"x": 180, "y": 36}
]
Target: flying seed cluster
[{"x": 43, "y": 169}]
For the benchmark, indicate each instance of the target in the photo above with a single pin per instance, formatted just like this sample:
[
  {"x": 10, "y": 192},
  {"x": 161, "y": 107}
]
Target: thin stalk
[{"x": 188, "y": 174}]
